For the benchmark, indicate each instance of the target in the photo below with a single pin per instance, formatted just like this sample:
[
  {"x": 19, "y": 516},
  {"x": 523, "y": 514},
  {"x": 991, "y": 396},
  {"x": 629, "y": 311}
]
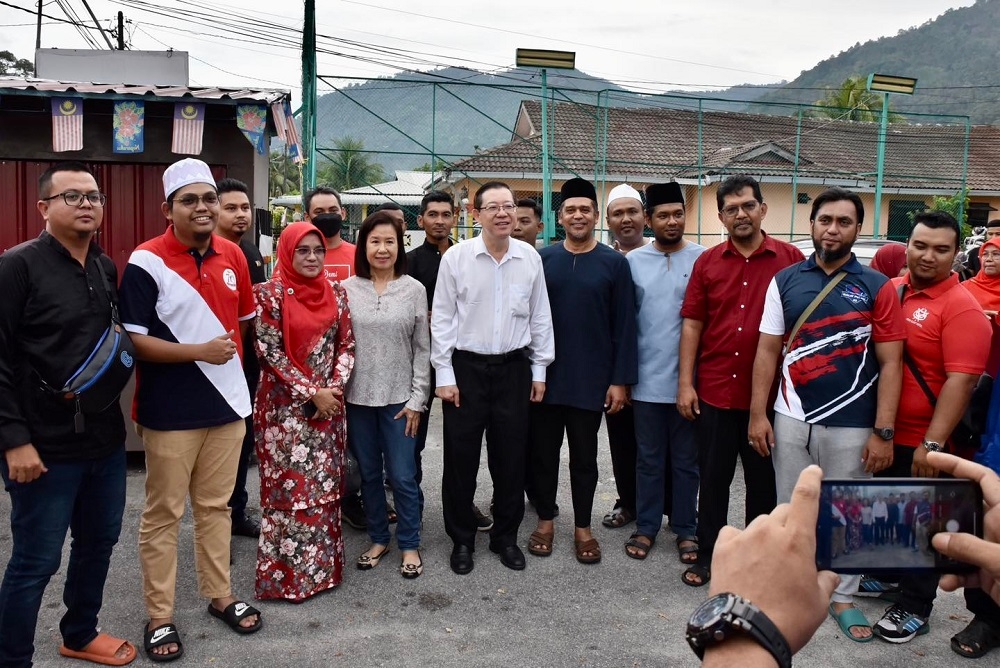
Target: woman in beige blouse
[{"x": 388, "y": 387}]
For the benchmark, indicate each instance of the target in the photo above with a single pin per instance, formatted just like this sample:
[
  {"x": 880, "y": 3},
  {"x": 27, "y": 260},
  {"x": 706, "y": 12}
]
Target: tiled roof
[
  {"x": 49, "y": 87},
  {"x": 655, "y": 143}
]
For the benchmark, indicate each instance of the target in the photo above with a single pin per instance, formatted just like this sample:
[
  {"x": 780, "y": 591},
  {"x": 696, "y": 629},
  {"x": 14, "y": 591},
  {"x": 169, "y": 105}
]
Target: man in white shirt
[{"x": 491, "y": 333}]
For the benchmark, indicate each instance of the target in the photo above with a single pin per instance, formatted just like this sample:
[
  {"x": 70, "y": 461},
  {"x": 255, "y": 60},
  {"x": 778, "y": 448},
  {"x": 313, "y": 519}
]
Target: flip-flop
[
  {"x": 164, "y": 634},
  {"x": 849, "y": 619},
  {"x": 103, "y": 650},
  {"x": 235, "y": 613}
]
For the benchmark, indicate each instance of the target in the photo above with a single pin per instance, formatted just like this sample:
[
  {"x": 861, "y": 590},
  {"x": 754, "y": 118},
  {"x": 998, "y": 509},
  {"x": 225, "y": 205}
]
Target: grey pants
[{"x": 836, "y": 450}]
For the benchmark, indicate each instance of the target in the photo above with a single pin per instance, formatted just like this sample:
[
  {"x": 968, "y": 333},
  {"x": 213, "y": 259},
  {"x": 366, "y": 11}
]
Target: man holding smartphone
[
  {"x": 842, "y": 331},
  {"x": 947, "y": 343}
]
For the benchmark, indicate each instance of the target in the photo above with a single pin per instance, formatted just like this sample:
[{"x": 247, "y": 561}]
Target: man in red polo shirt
[
  {"x": 722, "y": 310},
  {"x": 947, "y": 342}
]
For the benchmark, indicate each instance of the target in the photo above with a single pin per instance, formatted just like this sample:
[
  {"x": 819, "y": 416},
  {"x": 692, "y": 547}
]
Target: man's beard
[{"x": 831, "y": 255}]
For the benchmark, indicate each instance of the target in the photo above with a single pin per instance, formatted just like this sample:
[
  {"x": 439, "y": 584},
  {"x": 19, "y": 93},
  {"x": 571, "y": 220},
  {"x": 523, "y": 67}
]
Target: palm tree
[
  {"x": 284, "y": 177},
  {"x": 853, "y": 101},
  {"x": 349, "y": 166}
]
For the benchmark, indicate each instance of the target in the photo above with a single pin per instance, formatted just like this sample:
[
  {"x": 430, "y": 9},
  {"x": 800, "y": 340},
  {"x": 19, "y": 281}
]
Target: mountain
[{"x": 953, "y": 57}]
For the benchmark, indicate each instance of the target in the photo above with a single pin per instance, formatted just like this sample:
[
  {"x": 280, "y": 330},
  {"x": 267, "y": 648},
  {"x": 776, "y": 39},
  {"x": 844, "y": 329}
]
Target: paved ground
[{"x": 619, "y": 613}]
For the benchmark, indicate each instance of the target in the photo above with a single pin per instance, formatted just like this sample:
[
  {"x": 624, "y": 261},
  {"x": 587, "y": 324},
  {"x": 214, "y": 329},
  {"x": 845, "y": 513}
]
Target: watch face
[{"x": 710, "y": 611}]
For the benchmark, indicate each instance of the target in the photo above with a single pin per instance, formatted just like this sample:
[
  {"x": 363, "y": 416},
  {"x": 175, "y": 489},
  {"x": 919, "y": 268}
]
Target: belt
[{"x": 499, "y": 358}]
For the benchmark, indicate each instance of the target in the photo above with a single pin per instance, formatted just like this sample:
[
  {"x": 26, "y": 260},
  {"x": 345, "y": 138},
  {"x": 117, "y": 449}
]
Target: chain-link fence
[{"x": 392, "y": 140}]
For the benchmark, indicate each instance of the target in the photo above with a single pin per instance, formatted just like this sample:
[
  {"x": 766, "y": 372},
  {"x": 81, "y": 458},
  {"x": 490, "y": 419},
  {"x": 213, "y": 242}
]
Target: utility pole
[
  {"x": 309, "y": 95},
  {"x": 38, "y": 30},
  {"x": 121, "y": 31}
]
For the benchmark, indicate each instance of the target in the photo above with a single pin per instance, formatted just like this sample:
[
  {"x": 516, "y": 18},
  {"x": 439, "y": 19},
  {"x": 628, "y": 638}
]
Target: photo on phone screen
[{"x": 886, "y": 524}]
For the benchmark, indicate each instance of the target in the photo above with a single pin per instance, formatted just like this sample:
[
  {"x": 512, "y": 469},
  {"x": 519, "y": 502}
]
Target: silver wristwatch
[{"x": 932, "y": 446}]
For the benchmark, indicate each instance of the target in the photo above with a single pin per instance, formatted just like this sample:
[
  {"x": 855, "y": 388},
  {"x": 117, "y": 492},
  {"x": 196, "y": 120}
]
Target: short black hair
[
  {"x": 436, "y": 196},
  {"x": 937, "y": 220},
  {"x": 735, "y": 184},
  {"x": 362, "y": 267},
  {"x": 838, "y": 195},
  {"x": 45, "y": 180},
  {"x": 388, "y": 206},
  {"x": 528, "y": 203},
  {"x": 321, "y": 190},
  {"x": 228, "y": 185},
  {"x": 489, "y": 185}
]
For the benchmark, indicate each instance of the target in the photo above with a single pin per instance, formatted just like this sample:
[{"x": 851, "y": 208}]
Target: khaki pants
[{"x": 201, "y": 462}]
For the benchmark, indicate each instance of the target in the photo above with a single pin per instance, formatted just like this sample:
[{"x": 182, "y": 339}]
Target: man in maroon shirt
[{"x": 722, "y": 310}]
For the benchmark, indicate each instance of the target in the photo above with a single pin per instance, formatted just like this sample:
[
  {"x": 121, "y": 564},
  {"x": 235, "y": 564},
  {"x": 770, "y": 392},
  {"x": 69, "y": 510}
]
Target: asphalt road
[{"x": 557, "y": 612}]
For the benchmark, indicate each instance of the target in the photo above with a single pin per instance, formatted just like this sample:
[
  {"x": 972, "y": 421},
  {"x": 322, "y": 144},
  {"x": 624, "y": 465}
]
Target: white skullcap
[
  {"x": 622, "y": 191},
  {"x": 185, "y": 172}
]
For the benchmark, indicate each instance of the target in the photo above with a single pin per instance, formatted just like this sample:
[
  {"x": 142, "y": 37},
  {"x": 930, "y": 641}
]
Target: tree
[
  {"x": 853, "y": 101},
  {"x": 284, "y": 177},
  {"x": 12, "y": 65},
  {"x": 349, "y": 166}
]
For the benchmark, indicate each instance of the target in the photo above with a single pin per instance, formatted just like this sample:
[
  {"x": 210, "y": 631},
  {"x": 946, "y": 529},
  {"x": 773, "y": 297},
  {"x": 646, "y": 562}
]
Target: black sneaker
[
  {"x": 352, "y": 511},
  {"x": 246, "y": 526},
  {"x": 899, "y": 626},
  {"x": 483, "y": 521}
]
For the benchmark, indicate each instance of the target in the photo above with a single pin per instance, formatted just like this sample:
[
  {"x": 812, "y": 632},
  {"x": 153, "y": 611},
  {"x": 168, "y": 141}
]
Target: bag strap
[
  {"x": 813, "y": 305},
  {"x": 911, "y": 364},
  {"x": 107, "y": 289}
]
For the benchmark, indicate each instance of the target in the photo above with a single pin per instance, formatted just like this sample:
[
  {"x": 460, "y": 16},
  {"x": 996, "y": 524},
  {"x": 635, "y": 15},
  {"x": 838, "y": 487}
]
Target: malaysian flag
[
  {"x": 278, "y": 114},
  {"x": 189, "y": 126},
  {"x": 294, "y": 145},
  {"x": 67, "y": 124}
]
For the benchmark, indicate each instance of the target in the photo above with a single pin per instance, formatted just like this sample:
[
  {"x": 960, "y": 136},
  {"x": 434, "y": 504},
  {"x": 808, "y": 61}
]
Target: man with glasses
[
  {"x": 491, "y": 341},
  {"x": 54, "y": 309},
  {"x": 187, "y": 302},
  {"x": 722, "y": 309}
]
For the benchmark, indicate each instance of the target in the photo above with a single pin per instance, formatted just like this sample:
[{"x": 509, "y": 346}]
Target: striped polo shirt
[{"x": 171, "y": 292}]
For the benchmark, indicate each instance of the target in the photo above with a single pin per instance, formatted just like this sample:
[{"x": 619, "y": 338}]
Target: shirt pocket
[{"x": 520, "y": 301}]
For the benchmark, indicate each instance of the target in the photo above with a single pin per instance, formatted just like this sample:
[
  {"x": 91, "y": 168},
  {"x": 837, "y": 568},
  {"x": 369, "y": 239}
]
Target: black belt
[{"x": 499, "y": 358}]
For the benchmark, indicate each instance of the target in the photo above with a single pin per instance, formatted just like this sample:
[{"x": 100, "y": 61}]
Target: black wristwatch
[
  {"x": 885, "y": 433},
  {"x": 722, "y": 616}
]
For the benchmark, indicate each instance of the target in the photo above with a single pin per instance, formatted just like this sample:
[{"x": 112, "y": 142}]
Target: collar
[
  {"x": 175, "y": 247},
  {"x": 46, "y": 238},
  {"x": 769, "y": 245},
  {"x": 515, "y": 248},
  {"x": 934, "y": 291},
  {"x": 427, "y": 245},
  {"x": 852, "y": 266}
]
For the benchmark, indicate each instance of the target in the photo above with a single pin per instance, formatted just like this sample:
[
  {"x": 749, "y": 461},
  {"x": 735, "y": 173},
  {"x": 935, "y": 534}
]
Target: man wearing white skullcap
[
  {"x": 625, "y": 218},
  {"x": 187, "y": 302}
]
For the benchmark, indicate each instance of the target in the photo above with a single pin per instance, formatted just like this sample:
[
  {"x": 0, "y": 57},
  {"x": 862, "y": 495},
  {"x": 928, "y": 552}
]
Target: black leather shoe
[
  {"x": 461, "y": 560},
  {"x": 246, "y": 526},
  {"x": 352, "y": 512},
  {"x": 511, "y": 557}
]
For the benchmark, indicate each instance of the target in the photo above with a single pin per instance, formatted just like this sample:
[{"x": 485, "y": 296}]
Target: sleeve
[
  {"x": 887, "y": 314},
  {"x": 542, "y": 346},
  {"x": 244, "y": 285},
  {"x": 773, "y": 319},
  {"x": 444, "y": 321},
  {"x": 344, "y": 342},
  {"x": 624, "y": 335},
  {"x": 138, "y": 294},
  {"x": 270, "y": 343},
  {"x": 421, "y": 344},
  {"x": 695, "y": 297},
  {"x": 965, "y": 342},
  {"x": 14, "y": 279}
]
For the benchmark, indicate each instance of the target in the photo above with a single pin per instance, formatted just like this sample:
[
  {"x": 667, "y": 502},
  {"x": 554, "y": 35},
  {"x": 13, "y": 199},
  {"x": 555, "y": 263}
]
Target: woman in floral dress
[{"x": 306, "y": 350}]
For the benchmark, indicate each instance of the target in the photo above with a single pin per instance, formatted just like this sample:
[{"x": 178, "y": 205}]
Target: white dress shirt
[{"x": 489, "y": 307}]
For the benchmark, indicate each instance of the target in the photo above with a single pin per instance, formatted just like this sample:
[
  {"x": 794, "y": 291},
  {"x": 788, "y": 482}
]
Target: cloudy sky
[{"x": 654, "y": 46}]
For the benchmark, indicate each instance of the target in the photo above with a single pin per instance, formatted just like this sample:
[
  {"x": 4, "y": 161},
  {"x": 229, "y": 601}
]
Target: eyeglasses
[
  {"x": 990, "y": 256},
  {"x": 748, "y": 208},
  {"x": 74, "y": 198},
  {"x": 493, "y": 209},
  {"x": 304, "y": 252},
  {"x": 191, "y": 201}
]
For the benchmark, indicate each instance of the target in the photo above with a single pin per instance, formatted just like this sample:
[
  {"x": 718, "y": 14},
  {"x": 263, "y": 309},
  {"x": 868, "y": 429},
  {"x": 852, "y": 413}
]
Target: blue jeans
[
  {"x": 662, "y": 435},
  {"x": 378, "y": 442},
  {"x": 88, "y": 498}
]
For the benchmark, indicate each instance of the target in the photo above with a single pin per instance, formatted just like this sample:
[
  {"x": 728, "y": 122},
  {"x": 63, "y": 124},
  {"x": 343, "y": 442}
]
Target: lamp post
[
  {"x": 885, "y": 84},
  {"x": 546, "y": 59}
]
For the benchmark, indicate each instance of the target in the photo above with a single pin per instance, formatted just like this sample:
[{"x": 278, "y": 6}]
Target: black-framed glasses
[
  {"x": 748, "y": 208},
  {"x": 75, "y": 198},
  {"x": 191, "y": 200}
]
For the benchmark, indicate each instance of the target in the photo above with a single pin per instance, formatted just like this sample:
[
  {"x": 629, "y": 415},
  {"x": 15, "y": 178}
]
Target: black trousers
[
  {"x": 238, "y": 500},
  {"x": 421, "y": 439},
  {"x": 548, "y": 423},
  {"x": 621, "y": 440},
  {"x": 494, "y": 399},
  {"x": 722, "y": 437}
]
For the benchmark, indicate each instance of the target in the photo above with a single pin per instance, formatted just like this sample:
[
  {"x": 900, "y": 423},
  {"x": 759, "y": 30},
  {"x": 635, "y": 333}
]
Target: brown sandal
[
  {"x": 591, "y": 546},
  {"x": 641, "y": 549},
  {"x": 540, "y": 544}
]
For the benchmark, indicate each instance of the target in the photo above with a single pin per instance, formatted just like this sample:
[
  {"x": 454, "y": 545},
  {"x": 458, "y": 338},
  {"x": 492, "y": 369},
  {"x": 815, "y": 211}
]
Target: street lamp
[
  {"x": 885, "y": 84},
  {"x": 546, "y": 59}
]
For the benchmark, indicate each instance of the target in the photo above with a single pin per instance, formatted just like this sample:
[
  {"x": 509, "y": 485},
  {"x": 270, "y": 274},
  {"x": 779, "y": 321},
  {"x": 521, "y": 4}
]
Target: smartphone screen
[{"x": 886, "y": 524}]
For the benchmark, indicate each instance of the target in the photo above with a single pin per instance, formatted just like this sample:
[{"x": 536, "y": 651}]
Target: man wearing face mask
[{"x": 323, "y": 209}]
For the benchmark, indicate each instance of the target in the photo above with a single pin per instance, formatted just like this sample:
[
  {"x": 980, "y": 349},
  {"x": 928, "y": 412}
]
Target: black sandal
[
  {"x": 618, "y": 518},
  {"x": 641, "y": 549},
  {"x": 684, "y": 552},
  {"x": 235, "y": 613},
  {"x": 164, "y": 634},
  {"x": 699, "y": 572},
  {"x": 978, "y": 636}
]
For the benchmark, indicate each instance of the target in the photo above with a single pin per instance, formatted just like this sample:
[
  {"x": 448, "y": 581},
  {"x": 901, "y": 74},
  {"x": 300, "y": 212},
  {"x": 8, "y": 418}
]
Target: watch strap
[{"x": 752, "y": 620}]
